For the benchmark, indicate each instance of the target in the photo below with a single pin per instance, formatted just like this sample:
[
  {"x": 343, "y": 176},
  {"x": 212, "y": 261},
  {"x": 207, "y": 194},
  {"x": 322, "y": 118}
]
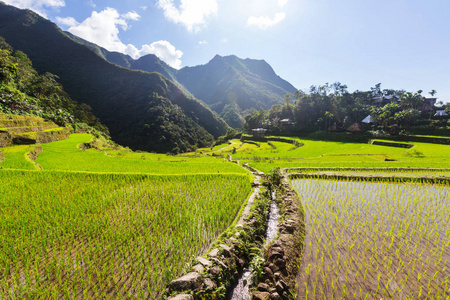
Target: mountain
[
  {"x": 149, "y": 62},
  {"x": 231, "y": 86},
  {"x": 23, "y": 91},
  {"x": 142, "y": 110}
]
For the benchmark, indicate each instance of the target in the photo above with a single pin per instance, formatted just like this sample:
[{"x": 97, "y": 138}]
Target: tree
[
  {"x": 410, "y": 100},
  {"x": 329, "y": 119},
  {"x": 386, "y": 115},
  {"x": 432, "y": 93},
  {"x": 376, "y": 90}
]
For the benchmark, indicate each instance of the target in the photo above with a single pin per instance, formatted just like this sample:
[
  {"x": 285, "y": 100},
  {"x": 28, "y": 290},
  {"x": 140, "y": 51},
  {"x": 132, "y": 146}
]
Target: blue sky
[{"x": 403, "y": 44}]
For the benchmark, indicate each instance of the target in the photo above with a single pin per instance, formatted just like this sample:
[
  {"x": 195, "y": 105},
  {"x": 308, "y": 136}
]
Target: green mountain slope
[
  {"x": 25, "y": 92},
  {"x": 149, "y": 63},
  {"x": 229, "y": 85},
  {"x": 142, "y": 110}
]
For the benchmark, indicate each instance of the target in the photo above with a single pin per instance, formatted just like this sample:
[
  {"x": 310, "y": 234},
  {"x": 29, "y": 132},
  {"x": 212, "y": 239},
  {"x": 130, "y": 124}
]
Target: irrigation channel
[{"x": 241, "y": 291}]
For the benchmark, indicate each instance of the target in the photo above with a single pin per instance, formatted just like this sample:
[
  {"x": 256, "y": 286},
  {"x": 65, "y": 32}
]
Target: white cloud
[
  {"x": 264, "y": 22},
  {"x": 144, "y": 7},
  {"x": 165, "y": 51},
  {"x": 102, "y": 28},
  {"x": 131, "y": 15},
  {"x": 91, "y": 3},
  {"x": 282, "y": 3},
  {"x": 203, "y": 42},
  {"x": 69, "y": 21},
  {"x": 193, "y": 14},
  {"x": 38, "y": 6}
]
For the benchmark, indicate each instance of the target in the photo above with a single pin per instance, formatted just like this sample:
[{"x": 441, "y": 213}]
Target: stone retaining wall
[
  {"x": 5, "y": 139},
  {"x": 283, "y": 255},
  {"x": 42, "y": 136},
  {"x": 214, "y": 274}
]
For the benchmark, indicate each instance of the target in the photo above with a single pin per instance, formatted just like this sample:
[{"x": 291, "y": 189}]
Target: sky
[{"x": 402, "y": 44}]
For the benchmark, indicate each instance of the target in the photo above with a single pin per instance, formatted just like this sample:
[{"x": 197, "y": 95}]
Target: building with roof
[
  {"x": 382, "y": 100},
  {"x": 286, "y": 123},
  {"x": 259, "y": 132},
  {"x": 441, "y": 114},
  {"x": 368, "y": 120},
  {"x": 355, "y": 128}
]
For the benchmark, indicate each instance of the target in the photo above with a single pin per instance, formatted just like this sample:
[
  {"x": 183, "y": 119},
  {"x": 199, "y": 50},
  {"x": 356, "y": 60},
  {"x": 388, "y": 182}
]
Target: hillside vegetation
[
  {"x": 231, "y": 86},
  {"x": 24, "y": 91},
  {"x": 331, "y": 107},
  {"x": 142, "y": 110}
]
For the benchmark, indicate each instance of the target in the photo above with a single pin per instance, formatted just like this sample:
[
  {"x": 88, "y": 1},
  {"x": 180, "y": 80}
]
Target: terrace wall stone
[
  {"x": 226, "y": 258},
  {"x": 282, "y": 257}
]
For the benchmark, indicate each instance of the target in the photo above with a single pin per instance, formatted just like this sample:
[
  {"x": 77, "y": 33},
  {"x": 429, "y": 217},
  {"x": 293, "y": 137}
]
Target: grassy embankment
[{"x": 327, "y": 154}]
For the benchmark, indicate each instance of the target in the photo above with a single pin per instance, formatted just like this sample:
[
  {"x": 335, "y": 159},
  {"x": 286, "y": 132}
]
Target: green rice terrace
[{"x": 85, "y": 219}]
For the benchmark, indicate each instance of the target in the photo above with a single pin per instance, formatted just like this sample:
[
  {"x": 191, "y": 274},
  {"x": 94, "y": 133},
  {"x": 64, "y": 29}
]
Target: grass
[
  {"x": 120, "y": 224},
  {"x": 65, "y": 155},
  {"x": 107, "y": 235},
  {"x": 382, "y": 172},
  {"x": 375, "y": 240},
  {"x": 15, "y": 158},
  {"x": 336, "y": 154}
]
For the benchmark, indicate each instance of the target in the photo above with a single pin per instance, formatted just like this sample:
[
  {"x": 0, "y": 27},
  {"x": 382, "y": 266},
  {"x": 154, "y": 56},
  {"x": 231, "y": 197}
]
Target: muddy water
[{"x": 241, "y": 291}]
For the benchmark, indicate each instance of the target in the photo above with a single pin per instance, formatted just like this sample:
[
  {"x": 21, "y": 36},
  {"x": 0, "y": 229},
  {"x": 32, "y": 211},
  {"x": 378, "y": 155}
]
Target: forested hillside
[
  {"x": 231, "y": 86},
  {"x": 142, "y": 110},
  {"x": 333, "y": 108},
  {"x": 25, "y": 92}
]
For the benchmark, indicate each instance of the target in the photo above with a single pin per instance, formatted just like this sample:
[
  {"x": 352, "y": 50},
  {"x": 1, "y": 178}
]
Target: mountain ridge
[
  {"x": 231, "y": 81},
  {"x": 142, "y": 110},
  {"x": 231, "y": 86}
]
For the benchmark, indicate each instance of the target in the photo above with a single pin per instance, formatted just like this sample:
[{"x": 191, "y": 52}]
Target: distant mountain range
[
  {"x": 231, "y": 86},
  {"x": 145, "y": 103}
]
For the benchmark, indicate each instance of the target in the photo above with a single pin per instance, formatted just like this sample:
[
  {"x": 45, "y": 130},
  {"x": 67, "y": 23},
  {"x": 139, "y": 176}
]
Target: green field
[
  {"x": 72, "y": 235},
  {"x": 105, "y": 222},
  {"x": 371, "y": 240},
  {"x": 65, "y": 155},
  {"x": 15, "y": 158},
  {"x": 327, "y": 154}
]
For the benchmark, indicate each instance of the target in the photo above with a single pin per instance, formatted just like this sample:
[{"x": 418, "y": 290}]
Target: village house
[
  {"x": 259, "y": 132},
  {"x": 286, "y": 123}
]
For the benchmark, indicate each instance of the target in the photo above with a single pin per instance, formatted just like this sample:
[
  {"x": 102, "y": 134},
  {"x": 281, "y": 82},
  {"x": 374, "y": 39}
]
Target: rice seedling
[
  {"x": 112, "y": 236},
  {"x": 65, "y": 155},
  {"x": 372, "y": 240},
  {"x": 377, "y": 172}
]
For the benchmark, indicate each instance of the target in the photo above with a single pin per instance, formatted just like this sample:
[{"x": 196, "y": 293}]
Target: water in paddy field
[
  {"x": 374, "y": 239},
  {"x": 241, "y": 291}
]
